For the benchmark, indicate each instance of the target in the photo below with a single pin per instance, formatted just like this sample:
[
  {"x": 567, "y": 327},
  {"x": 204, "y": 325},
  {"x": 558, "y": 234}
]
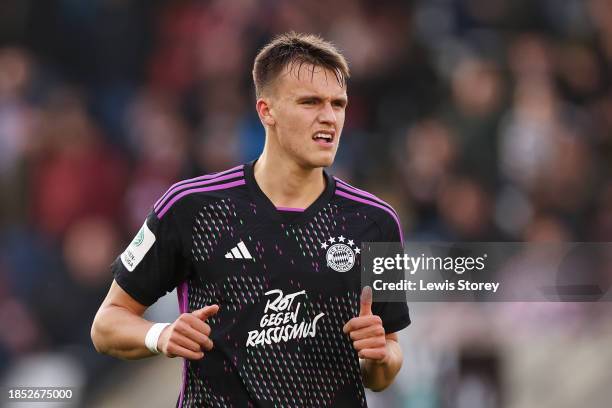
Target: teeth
[{"x": 323, "y": 136}]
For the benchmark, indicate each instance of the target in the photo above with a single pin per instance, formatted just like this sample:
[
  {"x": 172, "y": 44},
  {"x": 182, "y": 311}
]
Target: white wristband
[{"x": 153, "y": 336}]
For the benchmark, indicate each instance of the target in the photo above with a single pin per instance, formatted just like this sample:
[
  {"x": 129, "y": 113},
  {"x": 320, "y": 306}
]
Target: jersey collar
[{"x": 263, "y": 202}]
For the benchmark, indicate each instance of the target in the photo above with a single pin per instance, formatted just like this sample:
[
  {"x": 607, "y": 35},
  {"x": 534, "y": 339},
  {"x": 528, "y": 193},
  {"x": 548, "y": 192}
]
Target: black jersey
[{"x": 286, "y": 281}]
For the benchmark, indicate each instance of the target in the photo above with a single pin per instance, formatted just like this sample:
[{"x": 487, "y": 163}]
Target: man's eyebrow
[
  {"x": 318, "y": 97},
  {"x": 308, "y": 96}
]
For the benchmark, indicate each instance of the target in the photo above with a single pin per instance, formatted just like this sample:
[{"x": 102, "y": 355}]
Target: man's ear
[{"x": 264, "y": 111}]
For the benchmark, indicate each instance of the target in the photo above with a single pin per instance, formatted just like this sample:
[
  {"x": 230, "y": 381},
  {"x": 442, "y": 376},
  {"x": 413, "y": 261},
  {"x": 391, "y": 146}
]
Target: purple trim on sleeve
[
  {"x": 349, "y": 188},
  {"x": 182, "y": 292},
  {"x": 293, "y": 209},
  {"x": 192, "y": 184},
  {"x": 204, "y": 177},
  {"x": 198, "y": 190},
  {"x": 372, "y": 203}
]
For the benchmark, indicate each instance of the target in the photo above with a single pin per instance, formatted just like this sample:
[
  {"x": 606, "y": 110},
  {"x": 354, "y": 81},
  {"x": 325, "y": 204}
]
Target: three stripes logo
[{"x": 240, "y": 251}]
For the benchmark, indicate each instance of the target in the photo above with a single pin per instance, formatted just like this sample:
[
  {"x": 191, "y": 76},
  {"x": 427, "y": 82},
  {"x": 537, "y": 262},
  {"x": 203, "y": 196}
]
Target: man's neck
[{"x": 287, "y": 184}]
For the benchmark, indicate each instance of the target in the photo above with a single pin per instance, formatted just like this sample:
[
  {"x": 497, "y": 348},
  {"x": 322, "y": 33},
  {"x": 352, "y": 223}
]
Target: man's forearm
[
  {"x": 120, "y": 333},
  {"x": 379, "y": 375}
]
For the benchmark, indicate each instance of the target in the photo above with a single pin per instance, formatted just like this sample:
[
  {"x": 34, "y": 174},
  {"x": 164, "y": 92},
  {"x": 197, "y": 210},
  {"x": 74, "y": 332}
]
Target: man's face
[{"x": 307, "y": 108}]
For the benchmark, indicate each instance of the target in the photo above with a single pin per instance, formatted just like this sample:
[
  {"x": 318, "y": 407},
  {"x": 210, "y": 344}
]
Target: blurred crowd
[{"x": 480, "y": 120}]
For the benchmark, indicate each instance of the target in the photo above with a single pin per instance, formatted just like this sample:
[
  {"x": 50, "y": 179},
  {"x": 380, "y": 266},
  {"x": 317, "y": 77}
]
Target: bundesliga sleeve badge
[{"x": 138, "y": 248}]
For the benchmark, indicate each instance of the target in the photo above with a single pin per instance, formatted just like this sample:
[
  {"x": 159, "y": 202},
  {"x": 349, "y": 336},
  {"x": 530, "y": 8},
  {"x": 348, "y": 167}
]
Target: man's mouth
[{"x": 324, "y": 138}]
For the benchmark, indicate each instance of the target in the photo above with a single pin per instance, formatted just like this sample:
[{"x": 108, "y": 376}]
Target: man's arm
[
  {"x": 119, "y": 329},
  {"x": 379, "y": 374}
]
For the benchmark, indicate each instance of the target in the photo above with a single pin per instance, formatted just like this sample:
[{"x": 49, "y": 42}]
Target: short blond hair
[{"x": 296, "y": 48}]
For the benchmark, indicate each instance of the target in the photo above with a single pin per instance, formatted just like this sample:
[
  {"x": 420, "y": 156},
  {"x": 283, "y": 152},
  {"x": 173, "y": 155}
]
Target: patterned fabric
[{"x": 278, "y": 334}]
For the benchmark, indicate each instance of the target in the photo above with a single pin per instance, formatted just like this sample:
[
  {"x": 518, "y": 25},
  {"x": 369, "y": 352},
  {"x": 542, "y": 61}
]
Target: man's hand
[
  {"x": 381, "y": 353},
  {"x": 189, "y": 335},
  {"x": 367, "y": 331}
]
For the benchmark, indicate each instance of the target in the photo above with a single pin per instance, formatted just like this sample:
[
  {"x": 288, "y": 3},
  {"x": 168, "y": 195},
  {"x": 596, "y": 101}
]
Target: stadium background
[{"x": 478, "y": 120}]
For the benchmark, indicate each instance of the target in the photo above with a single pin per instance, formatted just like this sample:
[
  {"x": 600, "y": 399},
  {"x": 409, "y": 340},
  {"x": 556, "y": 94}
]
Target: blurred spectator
[
  {"x": 546, "y": 229},
  {"x": 158, "y": 139},
  {"x": 17, "y": 121},
  {"x": 465, "y": 210},
  {"x": 477, "y": 92},
  {"x": 73, "y": 173},
  {"x": 75, "y": 292}
]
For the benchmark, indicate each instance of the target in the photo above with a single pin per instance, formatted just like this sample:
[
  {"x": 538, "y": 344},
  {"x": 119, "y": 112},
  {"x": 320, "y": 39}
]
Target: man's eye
[{"x": 309, "y": 102}]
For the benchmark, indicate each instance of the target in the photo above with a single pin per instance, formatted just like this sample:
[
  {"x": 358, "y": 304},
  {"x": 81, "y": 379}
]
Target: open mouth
[{"x": 323, "y": 138}]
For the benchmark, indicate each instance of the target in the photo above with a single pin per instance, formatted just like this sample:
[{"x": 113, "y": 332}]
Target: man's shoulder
[
  {"x": 206, "y": 187},
  {"x": 378, "y": 209}
]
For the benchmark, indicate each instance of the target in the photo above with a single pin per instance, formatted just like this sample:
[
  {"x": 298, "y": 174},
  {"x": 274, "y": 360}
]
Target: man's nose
[{"x": 327, "y": 114}]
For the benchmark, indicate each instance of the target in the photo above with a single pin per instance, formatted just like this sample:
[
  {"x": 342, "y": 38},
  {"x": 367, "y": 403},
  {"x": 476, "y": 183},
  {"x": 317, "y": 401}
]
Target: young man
[{"x": 266, "y": 259}]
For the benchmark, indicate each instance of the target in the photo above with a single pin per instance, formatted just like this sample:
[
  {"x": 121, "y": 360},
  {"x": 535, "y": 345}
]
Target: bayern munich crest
[{"x": 341, "y": 253}]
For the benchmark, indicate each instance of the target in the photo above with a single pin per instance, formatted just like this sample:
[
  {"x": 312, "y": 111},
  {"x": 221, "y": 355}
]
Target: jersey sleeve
[
  {"x": 152, "y": 264},
  {"x": 395, "y": 315}
]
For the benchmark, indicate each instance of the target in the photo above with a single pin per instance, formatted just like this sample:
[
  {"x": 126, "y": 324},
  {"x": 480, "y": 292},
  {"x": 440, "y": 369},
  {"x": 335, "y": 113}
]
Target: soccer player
[{"x": 266, "y": 260}]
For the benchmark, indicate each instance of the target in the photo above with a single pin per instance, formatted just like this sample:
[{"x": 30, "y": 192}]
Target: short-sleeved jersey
[{"x": 286, "y": 281}]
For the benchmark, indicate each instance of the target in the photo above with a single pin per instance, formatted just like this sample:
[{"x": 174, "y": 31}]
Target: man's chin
[
  {"x": 322, "y": 162},
  {"x": 326, "y": 159},
  {"x": 316, "y": 160}
]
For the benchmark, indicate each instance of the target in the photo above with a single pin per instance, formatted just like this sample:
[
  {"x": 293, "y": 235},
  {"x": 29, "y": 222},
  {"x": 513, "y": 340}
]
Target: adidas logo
[{"x": 240, "y": 251}]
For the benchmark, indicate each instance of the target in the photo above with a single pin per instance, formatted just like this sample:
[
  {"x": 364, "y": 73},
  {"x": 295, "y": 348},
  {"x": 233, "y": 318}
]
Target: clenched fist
[
  {"x": 367, "y": 331},
  {"x": 189, "y": 335}
]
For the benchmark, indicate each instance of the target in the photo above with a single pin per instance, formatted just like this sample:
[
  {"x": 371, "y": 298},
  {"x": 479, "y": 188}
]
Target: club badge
[{"x": 340, "y": 256}]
